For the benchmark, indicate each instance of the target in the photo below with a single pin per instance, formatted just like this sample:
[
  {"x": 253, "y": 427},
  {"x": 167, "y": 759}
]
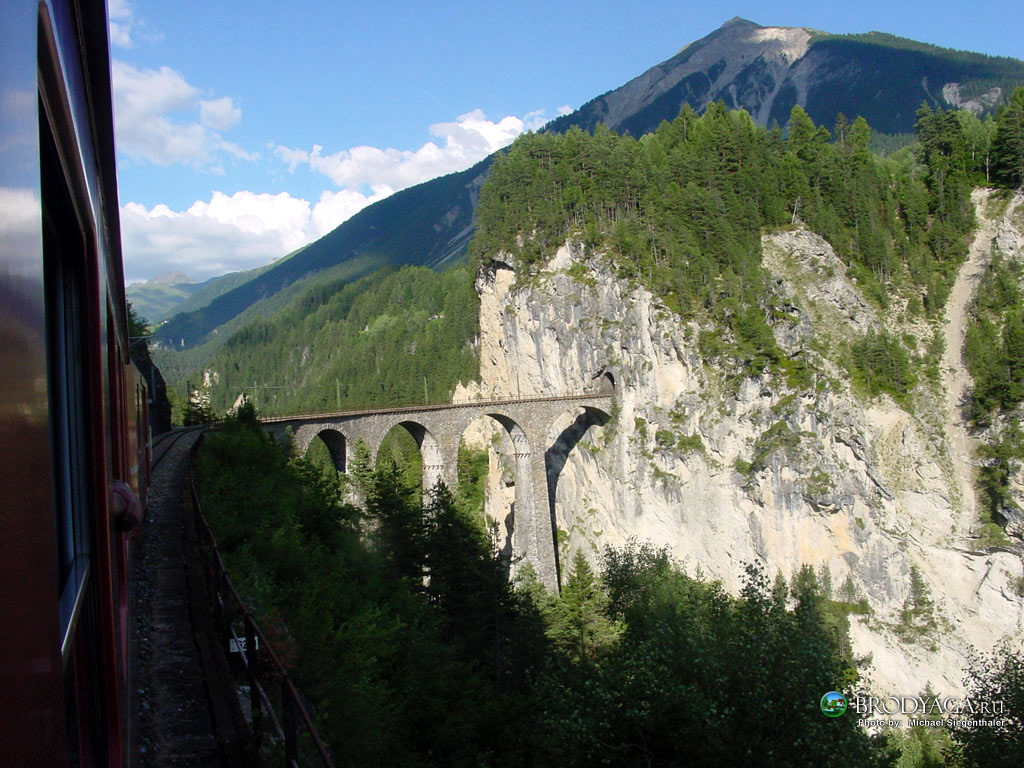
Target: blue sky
[{"x": 245, "y": 130}]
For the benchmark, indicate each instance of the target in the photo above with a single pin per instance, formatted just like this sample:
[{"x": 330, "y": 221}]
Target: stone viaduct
[{"x": 438, "y": 429}]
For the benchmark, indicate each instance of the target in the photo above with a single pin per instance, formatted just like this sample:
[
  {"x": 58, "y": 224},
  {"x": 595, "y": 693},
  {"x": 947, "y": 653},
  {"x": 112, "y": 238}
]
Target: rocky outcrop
[
  {"x": 728, "y": 471},
  {"x": 988, "y": 100}
]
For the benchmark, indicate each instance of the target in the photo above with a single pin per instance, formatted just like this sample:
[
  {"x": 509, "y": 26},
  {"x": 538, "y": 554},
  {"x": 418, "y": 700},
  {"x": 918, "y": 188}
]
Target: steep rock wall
[{"x": 727, "y": 472}]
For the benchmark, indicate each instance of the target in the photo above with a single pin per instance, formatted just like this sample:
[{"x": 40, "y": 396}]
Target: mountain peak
[
  {"x": 736, "y": 21},
  {"x": 170, "y": 278}
]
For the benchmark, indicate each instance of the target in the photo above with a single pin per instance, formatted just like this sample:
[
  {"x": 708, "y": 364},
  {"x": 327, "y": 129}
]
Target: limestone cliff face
[{"x": 727, "y": 472}]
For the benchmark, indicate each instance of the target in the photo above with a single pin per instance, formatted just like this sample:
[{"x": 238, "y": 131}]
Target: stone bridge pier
[{"x": 438, "y": 430}]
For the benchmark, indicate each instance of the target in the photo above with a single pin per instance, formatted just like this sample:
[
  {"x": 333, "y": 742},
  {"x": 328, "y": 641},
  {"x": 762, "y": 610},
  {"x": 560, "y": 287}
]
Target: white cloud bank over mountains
[
  {"x": 162, "y": 119},
  {"x": 467, "y": 140},
  {"x": 228, "y": 233}
]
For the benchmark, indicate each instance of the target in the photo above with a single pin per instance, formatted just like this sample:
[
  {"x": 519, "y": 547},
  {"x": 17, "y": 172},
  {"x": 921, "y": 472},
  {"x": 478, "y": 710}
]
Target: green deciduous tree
[{"x": 995, "y": 679}]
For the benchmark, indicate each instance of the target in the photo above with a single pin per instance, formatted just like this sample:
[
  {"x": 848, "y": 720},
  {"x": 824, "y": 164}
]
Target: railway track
[
  {"x": 165, "y": 442},
  {"x": 175, "y": 722}
]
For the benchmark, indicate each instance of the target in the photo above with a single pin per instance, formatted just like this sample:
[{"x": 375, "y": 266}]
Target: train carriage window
[
  {"x": 75, "y": 361},
  {"x": 64, "y": 265}
]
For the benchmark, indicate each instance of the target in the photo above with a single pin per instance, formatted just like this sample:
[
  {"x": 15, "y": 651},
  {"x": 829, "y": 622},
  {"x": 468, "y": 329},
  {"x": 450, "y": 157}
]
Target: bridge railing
[
  {"x": 438, "y": 406},
  {"x": 276, "y": 707}
]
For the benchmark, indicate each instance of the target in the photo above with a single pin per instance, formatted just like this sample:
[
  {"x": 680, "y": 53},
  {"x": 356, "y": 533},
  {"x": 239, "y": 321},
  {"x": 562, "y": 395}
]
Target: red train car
[{"x": 70, "y": 401}]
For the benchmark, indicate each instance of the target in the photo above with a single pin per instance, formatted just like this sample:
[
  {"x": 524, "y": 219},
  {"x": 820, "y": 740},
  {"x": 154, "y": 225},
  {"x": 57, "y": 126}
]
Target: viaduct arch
[{"x": 437, "y": 431}]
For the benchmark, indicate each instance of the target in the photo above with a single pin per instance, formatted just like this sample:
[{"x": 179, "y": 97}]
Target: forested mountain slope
[
  {"x": 781, "y": 397},
  {"x": 429, "y": 224},
  {"x": 156, "y": 300},
  {"x": 765, "y": 70},
  {"x": 399, "y": 336}
]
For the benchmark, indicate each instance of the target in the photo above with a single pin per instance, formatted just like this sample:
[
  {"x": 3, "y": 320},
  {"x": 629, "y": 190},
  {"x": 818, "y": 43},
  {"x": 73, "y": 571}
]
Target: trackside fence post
[{"x": 250, "y": 658}]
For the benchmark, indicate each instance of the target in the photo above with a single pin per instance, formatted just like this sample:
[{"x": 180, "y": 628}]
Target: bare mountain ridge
[
  {"x": 742, "y": 63},
  {"x": 769, "y": 70},
  {"x": 765, "y": 70},
  {"x": 170, "y": 278}
]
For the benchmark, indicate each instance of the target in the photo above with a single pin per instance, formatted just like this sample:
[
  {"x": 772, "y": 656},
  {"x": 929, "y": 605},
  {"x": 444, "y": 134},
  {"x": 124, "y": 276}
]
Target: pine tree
[
  {"x": 581, "y": 625},
  {"x": 918, "y": 614},
  {"x": 359, "y": 468},
  {"x": 1008, "y": 142},
  {"x": 805, "y": 139}
]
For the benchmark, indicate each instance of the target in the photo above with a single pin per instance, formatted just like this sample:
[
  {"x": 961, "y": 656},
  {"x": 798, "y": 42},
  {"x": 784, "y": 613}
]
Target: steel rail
[{"x": 170, "y": 439}]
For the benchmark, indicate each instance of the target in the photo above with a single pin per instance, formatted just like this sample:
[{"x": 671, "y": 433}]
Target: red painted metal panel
[
  {"x": 59, "y": 708},
  {"x": 32, "y": 726}
]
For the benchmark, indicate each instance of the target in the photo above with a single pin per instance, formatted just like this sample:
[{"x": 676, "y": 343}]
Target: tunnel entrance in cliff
[{"x": 603, "y": 382}]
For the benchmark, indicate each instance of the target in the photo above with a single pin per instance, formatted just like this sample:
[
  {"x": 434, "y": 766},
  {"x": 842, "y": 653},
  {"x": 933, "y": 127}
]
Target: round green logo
[{"x": 833, "y": 704}]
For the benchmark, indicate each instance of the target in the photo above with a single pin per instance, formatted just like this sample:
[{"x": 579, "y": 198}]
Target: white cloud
[
  {"x": 20, "y": 226},
  {"x": 246, "y": 229},
  {"x": 335, "y": 208},
  {"x": 467, "y": 140},
  {"x": 219, "y": 114},
  {"x": 126, "y": 29},
  {"x": 122, "y": 21},
  {"x": 535, "y": 120},
  {"x": 19, "y": 210},
  {"x": 145, "y": 101},
  {"x": 229, "y": 233}
]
